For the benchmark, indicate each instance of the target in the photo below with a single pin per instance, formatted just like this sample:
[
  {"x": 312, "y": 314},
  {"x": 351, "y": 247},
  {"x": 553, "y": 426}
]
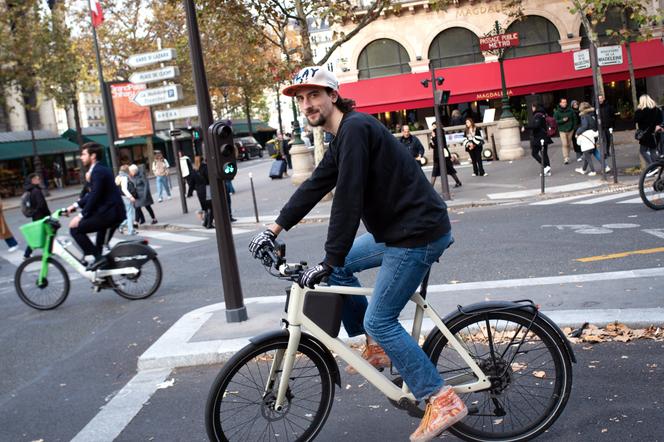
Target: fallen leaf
[{"x": 539, "y": 374}]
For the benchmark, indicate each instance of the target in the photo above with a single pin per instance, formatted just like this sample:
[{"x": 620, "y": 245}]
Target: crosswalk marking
[
  {"x": 558, "y": 200},
  {"x": 613, "y": 196},
  {"x": 636, "y": 200},
  {"x": 181, "y": 238}
]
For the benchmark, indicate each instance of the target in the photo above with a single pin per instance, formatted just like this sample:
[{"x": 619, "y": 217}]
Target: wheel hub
[
  {"x": 498, "y": 372},
  {"x": 267, "y": 407}
]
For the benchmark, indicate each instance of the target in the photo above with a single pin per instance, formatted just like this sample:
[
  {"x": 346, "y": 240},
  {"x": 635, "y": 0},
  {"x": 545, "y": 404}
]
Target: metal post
[
  {"x": 253, "y": 195},
  {"x": 505, "y": 102},
  {"x": 175, "y": 149},
  {"x": 542, "y": 164},
  {"x": 106, "y": 99},
  {"x": 613, "y": 158},
  {"x": 600, "y": 128},
  {"x": 236, "y": 311},
  {"x": 444, "y": 185}
]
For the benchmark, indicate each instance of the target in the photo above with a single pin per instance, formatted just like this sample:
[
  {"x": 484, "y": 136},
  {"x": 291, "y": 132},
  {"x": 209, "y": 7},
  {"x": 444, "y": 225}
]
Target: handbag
[
  {"x": 585, "y": 147},
  {"x": 640, "y": 133}
]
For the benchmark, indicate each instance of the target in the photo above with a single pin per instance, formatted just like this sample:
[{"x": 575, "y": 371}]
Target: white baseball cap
[{"x": 312, "y": 76}]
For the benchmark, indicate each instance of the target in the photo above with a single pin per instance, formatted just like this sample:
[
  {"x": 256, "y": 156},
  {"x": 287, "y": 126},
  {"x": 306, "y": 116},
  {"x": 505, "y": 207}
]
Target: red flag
[{"x": 97, "y": 14}]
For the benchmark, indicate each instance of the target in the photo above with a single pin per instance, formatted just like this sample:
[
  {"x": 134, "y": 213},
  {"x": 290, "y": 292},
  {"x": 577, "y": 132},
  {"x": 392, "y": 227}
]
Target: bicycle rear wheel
[
  {"x": 240, "y": 406},
  {"x": 141, "y": 285},
  {"x": 651, "y": 185},
  {"x": 527, "y": 364},
  {"x": 50, "y": 293}
]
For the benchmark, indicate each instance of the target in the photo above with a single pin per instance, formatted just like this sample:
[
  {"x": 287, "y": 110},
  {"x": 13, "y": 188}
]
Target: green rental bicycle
[{"x": 133, "y": 270}]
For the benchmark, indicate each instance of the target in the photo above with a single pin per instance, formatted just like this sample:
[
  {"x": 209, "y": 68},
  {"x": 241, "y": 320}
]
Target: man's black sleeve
[
  {"x": 420, "y": 148},
  {"x": 320, "y": 183},
  {"x": 348, "y": 204}
]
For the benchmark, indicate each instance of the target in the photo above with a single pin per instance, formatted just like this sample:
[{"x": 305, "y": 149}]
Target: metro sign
[{"x": 499, "y": 41}]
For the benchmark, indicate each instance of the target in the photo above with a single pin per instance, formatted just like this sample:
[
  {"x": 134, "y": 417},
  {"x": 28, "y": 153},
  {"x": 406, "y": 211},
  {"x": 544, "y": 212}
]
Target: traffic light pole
[
  {"x": 442, "y": 161},
  {"x": 236, "y": 311}
]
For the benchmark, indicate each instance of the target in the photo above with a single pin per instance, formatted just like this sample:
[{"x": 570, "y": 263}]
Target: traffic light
[{"x": 224, "y": 150}]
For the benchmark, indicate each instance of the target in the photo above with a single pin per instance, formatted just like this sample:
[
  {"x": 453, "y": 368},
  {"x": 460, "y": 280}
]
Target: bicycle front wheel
[
  {"x": 141, "y": 285},
  {"x": 529, "y": 368},
  {"x": 52, "y": 291},
  {"x": 651, "y": 185},
  {"x": 240, "y": 405}
]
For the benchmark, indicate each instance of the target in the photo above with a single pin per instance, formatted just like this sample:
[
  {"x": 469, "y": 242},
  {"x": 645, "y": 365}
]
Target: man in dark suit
[{"x": 102, "y": 209}]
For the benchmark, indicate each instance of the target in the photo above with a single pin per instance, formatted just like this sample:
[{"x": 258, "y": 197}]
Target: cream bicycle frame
[{"x": 296, "y": 320}]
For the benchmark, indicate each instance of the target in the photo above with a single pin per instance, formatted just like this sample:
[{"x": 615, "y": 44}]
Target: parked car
[{"x": 247, "y": 148}]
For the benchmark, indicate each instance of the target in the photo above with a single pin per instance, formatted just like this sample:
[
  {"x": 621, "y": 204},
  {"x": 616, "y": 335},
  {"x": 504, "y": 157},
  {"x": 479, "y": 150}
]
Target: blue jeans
[
  {"x": 401, "y": 272},
  {"x": 162, "y": 185},
  {"x": 129, "y": 220},
  {"x": 11, "y": 242}
]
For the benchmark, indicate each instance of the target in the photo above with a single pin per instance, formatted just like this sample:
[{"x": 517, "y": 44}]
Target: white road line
[
  {"x": 659, "y": 233},
  {"x": 14, "y": 258},
  {"x": 116, "y": 415},
  {"x": 558, "y": 200},
  {"x": 637, "y": 200},
  {"x": 613, "y": 196},
  {"x": 554, "y": 189},
  {"x": 172, "y": 236}
]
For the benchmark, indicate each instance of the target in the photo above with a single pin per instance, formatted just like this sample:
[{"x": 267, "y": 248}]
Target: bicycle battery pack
[
  {"x": 324, "y": 309},
  {"x": 129, "y": 254}
]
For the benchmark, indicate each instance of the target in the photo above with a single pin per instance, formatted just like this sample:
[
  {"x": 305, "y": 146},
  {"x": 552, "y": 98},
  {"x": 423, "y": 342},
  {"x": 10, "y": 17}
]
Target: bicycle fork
[{"x": 288, "y": 359}]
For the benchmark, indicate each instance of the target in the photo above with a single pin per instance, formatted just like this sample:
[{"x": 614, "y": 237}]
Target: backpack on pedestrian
[
  {"x": 551, "y": 126},
  {"x": 26, "y": 207}
]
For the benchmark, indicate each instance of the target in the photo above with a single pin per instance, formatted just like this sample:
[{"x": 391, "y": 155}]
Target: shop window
[
  {"x": 613, "y": 21},
  {"x": 537, "y": 36},
  {"x": 382, "y": 58},
  {"x": 454, "y": 47}
]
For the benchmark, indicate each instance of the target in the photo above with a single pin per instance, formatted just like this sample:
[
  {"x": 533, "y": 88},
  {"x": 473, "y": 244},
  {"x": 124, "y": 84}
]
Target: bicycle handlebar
[{"x": 274, "y": 258}]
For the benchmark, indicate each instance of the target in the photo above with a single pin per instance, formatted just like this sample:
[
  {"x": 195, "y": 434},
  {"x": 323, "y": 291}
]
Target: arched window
[
  {"x": 381, "y": 58},
  {"x": 454, "y": 47},
  {"x": 613, "y": 21},
  {"x": 537, "y": 36}
]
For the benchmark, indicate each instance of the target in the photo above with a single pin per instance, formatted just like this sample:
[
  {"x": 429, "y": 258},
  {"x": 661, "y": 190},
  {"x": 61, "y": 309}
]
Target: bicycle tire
[
  {"x": 120, "y": 283},
  {"x": 552, "y": 390},
  {"x": 227, "y": 396},
  {"x": 23, "y": 286},
  {"x": 651, "y": 188}
]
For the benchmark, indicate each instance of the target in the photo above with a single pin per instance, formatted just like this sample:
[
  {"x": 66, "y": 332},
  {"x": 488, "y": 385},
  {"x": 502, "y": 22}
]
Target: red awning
[{"x": 541, "y": 73}]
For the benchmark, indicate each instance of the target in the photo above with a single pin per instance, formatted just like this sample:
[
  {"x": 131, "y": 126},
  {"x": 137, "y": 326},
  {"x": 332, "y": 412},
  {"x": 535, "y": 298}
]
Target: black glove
[
  {"x": 314, "y": 275},
  {"x": 262, "y": 240}
]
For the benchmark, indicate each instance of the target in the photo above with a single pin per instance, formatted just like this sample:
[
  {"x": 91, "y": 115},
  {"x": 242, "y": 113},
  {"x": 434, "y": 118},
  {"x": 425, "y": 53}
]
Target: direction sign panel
[
  {"x": 499, "y": 41},
  {"x": 581, "y": 59},
  {"x": 159, "y": 95},
  {"x": 164, "y": 73},
  {"x": 609, "y": 55},
  {"x": 176, "y": 113},
  {"x": 148, "y": 58}
]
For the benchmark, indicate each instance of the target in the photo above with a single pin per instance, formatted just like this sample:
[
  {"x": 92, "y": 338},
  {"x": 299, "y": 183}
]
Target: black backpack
[{"x": 26, "y": 206}]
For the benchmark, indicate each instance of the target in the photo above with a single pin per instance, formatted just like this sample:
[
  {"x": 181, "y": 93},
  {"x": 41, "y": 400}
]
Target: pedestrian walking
[
  {"x": 186, "y": 168},
  {"x": 538, "y": 133},
  {"x": 160, "y": 170},
  {"x": 285, "y": 149},
  {"x": 608, "y": 115},
  {"x": 586, "y": 135},
  {"x": 37, "y": 206},
  {"x": 575, "y": 143},
  {"x": 448, "y": 159},
  {"x": 57, "y": 174},
  {"x": 566, "y": 120},
  {"x": 129, "y": 194},
  {"x": 648, "y": 118},
  {"x": 473, "y": 143},
  {"x": 144, "y": 198},
  {"x": 412, "y": 143},
  {"x": 6, "y": 233}
]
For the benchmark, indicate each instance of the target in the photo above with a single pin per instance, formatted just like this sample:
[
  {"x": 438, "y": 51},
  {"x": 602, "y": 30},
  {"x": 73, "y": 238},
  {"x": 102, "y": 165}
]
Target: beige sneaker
[
  {"x": 375, "y": 355},
  {"x": 443, "y": 410}
]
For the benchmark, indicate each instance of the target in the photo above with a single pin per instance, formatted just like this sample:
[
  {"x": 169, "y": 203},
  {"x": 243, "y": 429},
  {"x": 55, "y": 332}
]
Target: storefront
[{"x": 17, "y": 159}]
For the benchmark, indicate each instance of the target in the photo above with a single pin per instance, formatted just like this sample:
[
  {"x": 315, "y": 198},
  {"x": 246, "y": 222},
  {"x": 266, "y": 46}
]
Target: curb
[{"x": 173, "y": 349}]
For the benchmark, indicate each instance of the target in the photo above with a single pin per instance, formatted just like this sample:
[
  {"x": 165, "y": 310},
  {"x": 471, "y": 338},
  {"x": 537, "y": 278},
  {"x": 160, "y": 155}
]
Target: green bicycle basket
[{"x": 35, "y": 233}]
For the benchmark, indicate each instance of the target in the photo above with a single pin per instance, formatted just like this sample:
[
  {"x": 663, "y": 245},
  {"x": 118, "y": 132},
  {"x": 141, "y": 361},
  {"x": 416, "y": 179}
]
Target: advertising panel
[{"x": 131, "y": 120}]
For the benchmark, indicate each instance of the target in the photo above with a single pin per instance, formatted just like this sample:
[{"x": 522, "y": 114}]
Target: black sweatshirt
[{"x": 376, "y": 181}]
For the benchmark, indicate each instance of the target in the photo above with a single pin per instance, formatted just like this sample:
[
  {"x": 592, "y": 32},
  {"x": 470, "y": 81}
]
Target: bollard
[
  {"x": 253, "y": 195},
  {"x": 542, "y": 163},
  {"x": 613, "y": 158}
]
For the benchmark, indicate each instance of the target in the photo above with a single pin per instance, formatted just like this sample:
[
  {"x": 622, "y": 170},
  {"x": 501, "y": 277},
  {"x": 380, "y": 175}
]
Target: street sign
[
  {"x": 499, "y": 41},
  {"x": 177, "y": 113},
  {"x": 165, "y": 73},
  {"x": 148, "y": 58},
  {"x": 159, "y": 95},
  {"x": 175, "y": 132},
  {"x": 609, "y": 55},
  {"x": 581, "y": 59}
]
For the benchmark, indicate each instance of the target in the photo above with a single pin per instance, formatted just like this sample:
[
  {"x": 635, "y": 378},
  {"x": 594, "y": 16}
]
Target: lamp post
[
  {"x": 445, "y": 188},
  {"x": 505, "y": 101}
]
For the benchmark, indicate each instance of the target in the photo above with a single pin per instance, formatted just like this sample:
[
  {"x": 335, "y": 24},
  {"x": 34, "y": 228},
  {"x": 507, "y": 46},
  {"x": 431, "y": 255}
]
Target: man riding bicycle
[
  {"x": 377, "y": 182},
  {"x": 102, "y": 209}
]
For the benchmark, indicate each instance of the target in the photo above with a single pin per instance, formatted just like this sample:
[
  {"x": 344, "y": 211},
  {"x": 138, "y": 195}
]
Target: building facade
[{"x": 383, "y": 65}]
